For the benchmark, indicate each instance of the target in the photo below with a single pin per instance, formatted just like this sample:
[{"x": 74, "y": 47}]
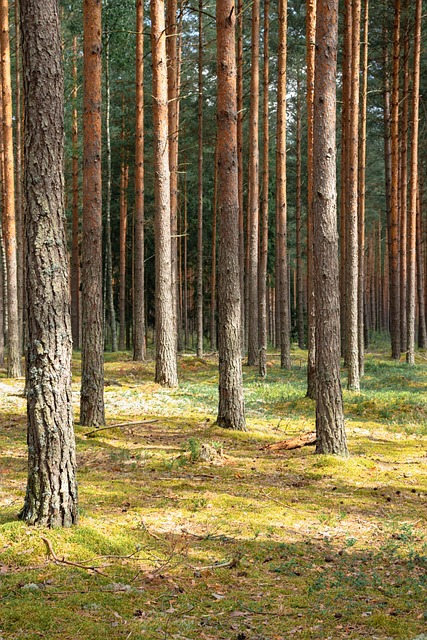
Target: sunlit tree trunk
[
  {"x": 403, "y": 186},
  {"x": 166, "y": 343},
  {"x": 299, "y": 275},
  {"x": 122, "y": 239},
  {"x": 311, "y": 315},
  {"x": 394, "y": 193},
  {"x": 330, "y": 427},
  {"x": 9, "y": 224},
  {"x": 92, "y": 387},
  {"x": 231, "y": 413},
  {"x": 240, "y": 115},
  {"x": 138, "y": 266},
  {"x": 413, "y": 189},
  {"x": 18, "y": 176},
  {"x": 422, "y": 330},
  {"x": 214, "y": 267},
  {"x": 51, "y": 496},
  {"x": 200, "y": 189},
  {"x": 281, "y": 200},
  {"x": 263, "y": 291}
]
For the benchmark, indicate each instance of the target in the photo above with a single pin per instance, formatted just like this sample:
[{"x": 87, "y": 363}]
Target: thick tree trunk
[
  {"x": 200, "y": 190},
  {"x": 352, "y": 258},
  {"x": 253, "y": 179},
  {"x": 18, "y": 177},
  {"x": 231, "y": 413},
  {"x": 138, "y": 265},
  {"x": 394, "y": 194},
  {"x": 166, "y": 343},
  {"x": 9, "y": 225},
  {"x": 413, "y": 189},
  {"x": 51, "y": 497},
  {"x": 263, "y": 258},
  {"x": 240, "y": 115},
  {"x": 281, "y": 200},
  {"x": 109, "y": 293},
  {"x": 330, "y": 428},
  {"x": 311, "y": 314},
  {"x": 75, "y": 249},
  {"x": 92, "y": 388}
]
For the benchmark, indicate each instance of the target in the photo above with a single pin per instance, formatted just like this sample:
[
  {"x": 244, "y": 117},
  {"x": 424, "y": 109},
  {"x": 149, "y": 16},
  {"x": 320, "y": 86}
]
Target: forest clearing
[{"x": 311, "y": 546}]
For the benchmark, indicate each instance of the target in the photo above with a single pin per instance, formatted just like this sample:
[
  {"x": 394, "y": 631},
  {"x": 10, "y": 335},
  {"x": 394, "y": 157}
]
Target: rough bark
[
  {"x": 231, "y": 412},
  {"x": 92, "y": 387},
  {"x": 166, "y": 343},
  {"x": 311, "y": 315},
  {"x": 214, "y": 266},
  {"x": 122, "y": 239},
  {"x": 75, "y": 249},
  {"x": 413, "y": 188},
  {"x": 299, "y": 278},
  {"x": 18, "y": 177},
  {"x": 253, "y": 179},
  {"x": 9, "y": 225},
  {"x": 330, "y": 428},
  {"x": 394, "y": 194},
  {"x": 51, "y": 496},
  {"x": 200, "y": 189},
  {"x": 362, "y": 193},
  {"x": 403, "y": 186},
  {"x": 281, "y": 200},
  {"x": 240, "y": 115},
  {"x": 263, "y": 258},
  {"x": 138, "y": 265},
  {"x": 422, "y": 329}
]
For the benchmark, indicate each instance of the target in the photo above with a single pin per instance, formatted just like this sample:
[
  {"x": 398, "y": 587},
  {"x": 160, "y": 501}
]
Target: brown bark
[
  {"x": 240, "y": 114},
  {"x": 253, "y": 179},
  {"x": 51, "y": 496},
  {"x": 200, "y": 189},
  {"x": 166, "y": 343},
  {"x": 299, "y": 276},
  {"x": 281, "y": 201},
  {"x": 330, "y": 428},
  {"x": 75, "y": 252},
  {"x": 122, "y": 238},
  {"x": 138, "y": 265},
  {"x": 394, "y": 194},
  {"x": 303, "y": 440},
  {"x": 351, "y": 257},
  {"x": 263, "y": 291},
  {"x": 214, "y": 266},
  {"x": 9, "y": 224},
  {"x": 311, "y": 315},
  {"x": 231, "y": 412},
  {"x": 362, "y": 193},
  {"x": 413, "y": 189},
  {"x": 403, "y": 186},
  {"x": 422, "y": 330},
  {"x": 18, "y": 176},
  {"x": 92, "y": 387}
]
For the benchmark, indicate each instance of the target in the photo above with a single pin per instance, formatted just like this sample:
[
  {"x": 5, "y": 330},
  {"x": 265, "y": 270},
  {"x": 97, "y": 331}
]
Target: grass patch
[{"x": 245, "y": 546}]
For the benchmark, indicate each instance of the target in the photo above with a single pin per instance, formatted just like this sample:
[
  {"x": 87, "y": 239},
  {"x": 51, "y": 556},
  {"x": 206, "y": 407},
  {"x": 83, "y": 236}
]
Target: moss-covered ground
[{"x": 313, "y": 546}]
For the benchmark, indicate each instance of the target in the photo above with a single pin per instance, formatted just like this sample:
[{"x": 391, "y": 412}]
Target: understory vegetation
[{"x": 189, "y": 531}]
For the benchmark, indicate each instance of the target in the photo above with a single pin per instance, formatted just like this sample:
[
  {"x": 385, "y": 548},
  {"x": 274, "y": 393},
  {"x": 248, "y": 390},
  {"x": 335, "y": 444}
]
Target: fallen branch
[
  {"x": 230, "y": 564},
  {"x": 293, "y": 443},
  {"x": 121, "y": 425},
  {"x": 57, "y": 560}
]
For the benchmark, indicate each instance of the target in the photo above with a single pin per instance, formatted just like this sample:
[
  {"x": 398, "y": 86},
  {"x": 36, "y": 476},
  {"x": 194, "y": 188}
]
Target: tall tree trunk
[
  {"x": 75, "y": 250},
  {"x": 352, "y": 262},
  {"x": 231, "y": 413},
  {"x": 92, "y": 387},
  {"x": 122, "y": 238},
  {"x": 240, "y": 115},
  {"x": 173, "y": 120},
  {"x": 214, "y": 267},
  {"x": 138, "y": 265},
  {"x": 403, "y": 186},
  {"x": 108, "y": 248},
  {"x": 200, "y": 190},
  {"x": 299, "y": 278},
  {"x": 166, "y": 343},
  {"x": 51, "y": 496},
  {"x": 422, "y": 330},
  {"x": 311, "y": 315},
  {"x": 330, "y": 426},
  {"x": 394, "y": 193},
  {"x": 362, "y": 192},
  {"x": 413, "y": 189},
  {"x": 18, "y": 177},
  {"x": 9, "y": 226},
  {"x": 263, "y": 291},
  {"x": 253, "y": 179},
  {"x": 281, "y": 202}
]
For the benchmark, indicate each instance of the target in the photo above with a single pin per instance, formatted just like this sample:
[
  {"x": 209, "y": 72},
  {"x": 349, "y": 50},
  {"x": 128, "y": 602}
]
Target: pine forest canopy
[{"x": 238, "y": 176}]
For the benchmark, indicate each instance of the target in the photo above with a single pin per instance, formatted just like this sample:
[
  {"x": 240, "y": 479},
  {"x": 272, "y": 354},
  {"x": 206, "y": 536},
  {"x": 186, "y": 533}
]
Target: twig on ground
[
  {"x": 57, "y": 560},
  {"x": 121, "y": 425},
  {"x": 230, "y": 564}
]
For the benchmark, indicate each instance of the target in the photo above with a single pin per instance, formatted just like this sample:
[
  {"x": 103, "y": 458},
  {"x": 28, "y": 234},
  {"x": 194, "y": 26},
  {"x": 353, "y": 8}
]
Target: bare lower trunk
[
  {"x": 75, "y": 249},
  {"x": 200, "y": 191}
]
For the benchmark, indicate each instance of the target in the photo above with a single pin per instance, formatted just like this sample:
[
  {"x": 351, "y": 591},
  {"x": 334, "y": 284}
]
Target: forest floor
[{"x": 311, "y": 546}]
